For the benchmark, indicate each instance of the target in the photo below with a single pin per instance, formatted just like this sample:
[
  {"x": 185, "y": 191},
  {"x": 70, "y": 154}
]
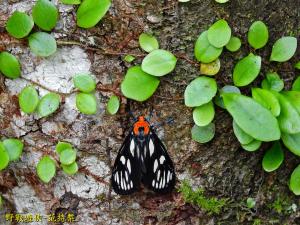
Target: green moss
[
  {"x": 282, "y": 204},
  {"x": 211, "y": 205},
  {"x": 257, "y": 222}
]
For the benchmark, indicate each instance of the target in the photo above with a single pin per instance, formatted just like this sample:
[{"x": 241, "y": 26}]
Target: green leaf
[
  {"x": 219, "y": 34},
  {"x": 295, "y": 181},
  {"x": 4, "y": 157},
  {"x": 159, "y": 63},
  {"x": 296, "y": 84},
  {"x": 273, "y": 158},
  {"x": 28, "y": 99},
  {"x": 45, "y": 14},
  {"x": 9, "y": 65},
  {"x": 70, "y": 169},
  {"x": 46, "y": 169},
  {"x": 204, "y": 114},
  {"x": 138, "y": 85},
  {"x": 292, "y": 142},
  {"x": 67, "y": 156},
  {"x": 297, "y": 65},
  {"x": 283, "y": 49},
  {"x": 258, "y": 34},
  {"x": 252, "y": 146},
  {"x": 48, "y": 104},
  {"x": 90, "y": 12},
  {"x": 272, "y": 82},
  {"x": 71, "y": 2},
  {"x": 19, "y": 24},
  {"x": 204, "y": 51},
  {"x": 200, "y": 91},
  {"x": 84, "y": 82},
  {"x": 246, "y": 70},
  {"x": 251, "y": 117},
  {"x": 267, "y": 100},
  {"x": 241, "y": 135},
  {"x": 129, "y": 58},
  {"x": 203, "y": 134},
  {"x": 61, "y": 146},
  {"x": 113, "y": 105},
  {"x": 226, "y": 89},
  {"x": 210, "y": 69},
  {"x": 42, "y": 44},
  {"x": 86, "y": 103},
  {"x": 234, "y": 44},
  {"x": 148, "y": 42},
  {"x": 14, "y": 148},
  {"x": 250, "y": 203},
  {"x": 294, "y": 98}
]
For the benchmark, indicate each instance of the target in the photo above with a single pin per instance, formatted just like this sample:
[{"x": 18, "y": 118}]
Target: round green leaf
[
  {"x": 61, "y": 146},
  {"x": 42, "y": 44},
  {"x": 48, "y": 104},
  {"x": 258, "y": 34},
  {"x": 19, "y": 24},
  {"x": 9, "y": 65},
  {"x": 234, "y": 44},
  {"x": 296, "y": 84},
  {"x": 250, "y": 203},
  {"x": 113, "y": 105},
  {"x": 148, "y": 42},
  {"x": 204, "y": 114},
  {"x": 28, "y": 99},
  {"x": 46, "y": 169},
  {"x": 45, "y": 14},
  {"x": 138, "y": 85},
  {"x": 67, "y": 156},
  {"x": 295, "y": 181},
  {"x": 14, "y": 148},
  {"x": 90, "y": 12},
  {"x": 246, "y": 70},
  {"x": 292, "y": 142},
  {"x": 84, "y": 82},
  {"x": 273, "y": 158},
  {"x": 219, "y": 34},
  {"x": 86, "y": 103},
  {"x": 297, "y": 65},
  {"x": 210, "y": 69},
  {"x": 252, "y": 146},
  {"x": 203, "y": 134},
  {"x": 200, "y": 91},
  {"x": 226, "y": 89},
  {"x": 204, "y": 51},
  {"x": 71, "y": 2},
  {"x": 241, "y": 135},
  {"x": 251, "y": 117},
  {"x": 272, "y": 82},
  {"x": 4, "y": 157},
  {"x": 159, "y": 63},
  {"x": 70, "y": 169},
  {"x": 267, "y": 100},
  {"x": 284, "y": 49}
]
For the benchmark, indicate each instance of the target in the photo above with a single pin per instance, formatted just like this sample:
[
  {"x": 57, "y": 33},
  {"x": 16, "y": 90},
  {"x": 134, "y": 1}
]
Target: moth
[{"x": 142, "y": 158}]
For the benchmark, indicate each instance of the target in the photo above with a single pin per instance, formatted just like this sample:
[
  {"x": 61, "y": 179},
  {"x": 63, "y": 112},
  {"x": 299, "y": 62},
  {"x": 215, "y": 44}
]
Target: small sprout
[
  {"x": 90, "y": 12},
  {"x": 292, "y": 142},
  {"x": 252, "y": 146},
  {"x": 48, "y": 104},
  {"x": 148, "y": 42},
  {"x": 204, "y": 114},
  {"x": 71, "y": 2},
  {"x": 219, "y": 34},
  {"x": 246, "y": 70},
  {"x": 297, "y": 65},
  {"x": 294, "y": 181},
  {"x": 70, "y": 169},
  {"x": 210, "y": 69},
  {"x": 46, "y": 169},
  {"x": 45, "y": 14},
  {"x": 203, "y": 134},
  {"x": 138, "y": 85},
  {"x": 284, "y": 49},
  {"x": 86, "y": 103},
  {"x": 204, "y": 51},
  {"x": 14, "y": 148},
  {"x": 250, "y": 203},
  {"x": 241, "y": 135},
  {"x": 200, "y": 91},
  {"x": 67, "y": 156},
  {"x": 296, "y": 84},
  {"x": 84, "y": 82},
  {"x": 28, "y": 99},
  {"x": 19, "y": 24},
  {"x": 113, "y": 105},
  {"x": 272, "y": 82},
  {"x": 267, "y": 99},
  {"x": 61, "y": 146},
  {"x": 9, "y": 65},
  {"x": 258, "y": 34},
  {"x": 234, "y": 44},
  {"x": 129, "y": 58},
  {"x": 42, "y": 44},
  {"x": 159, "y": 63},
  {"x": 273, "y": 158},
  {"x": 4, "y": 157}
]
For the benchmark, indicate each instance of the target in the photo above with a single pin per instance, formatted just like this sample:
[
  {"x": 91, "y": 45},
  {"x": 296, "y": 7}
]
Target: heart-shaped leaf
[
  {"x": 70, "y": 169},
  {"x": 113, "y": 105},
  {"x": 48, "y": 104},
  {"x": 84, "y": 82},
  {"x": 148, "y": 42},
  {"x": 267, "y": 100},
  {"x": 4, "y": 157},
  {"x": 86, "y": 103},
  {"x": 258, "y": 34},
  {"x": 246, "y": 70},
  {"x": 203, "y": 134},
  {"x": 234, "y": 44},
  {"x": 42, "y": 44},
  {"x": 272, "y": 82},
  {"x": 28, "y": 99},
  {"x": 241, "y": 135},
  {"x": 9, "y": 65},
  {"x": 46, "y": 169},
  {"x": 219, "y": 34},
  {"x": 67, "y": 156},
  {"x": 284, "y": 49},
  {"x": 295, "y": 181},
  {"x": 210, "y": 69},
  {"x": 45, "y": 14},
  {"x": 19, "y": 24},
  {"x": 273, "y": 158},
  {"x": 14, "y": 148},
  {"x": 252, "y": 146},
  {"x": 204, "y": 114},
  {"x": 61, "y": 146}
]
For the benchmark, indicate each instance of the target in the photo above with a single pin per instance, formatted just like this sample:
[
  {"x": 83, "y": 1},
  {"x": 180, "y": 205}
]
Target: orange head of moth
[{"x": 141, "y": 123}]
